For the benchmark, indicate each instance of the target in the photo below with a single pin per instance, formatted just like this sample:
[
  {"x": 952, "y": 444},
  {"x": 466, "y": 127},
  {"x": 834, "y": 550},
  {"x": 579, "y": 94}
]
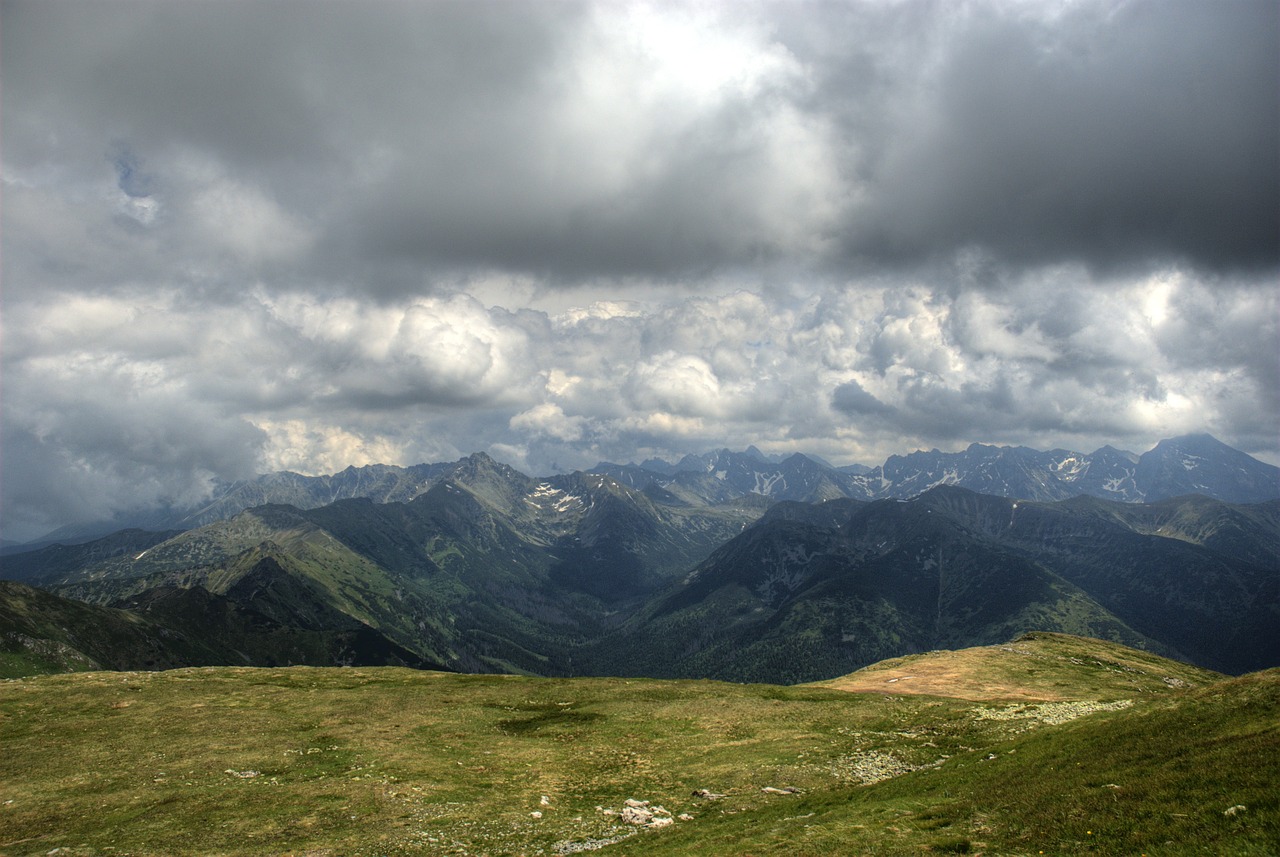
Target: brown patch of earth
[{"x": 981, "y": 673}]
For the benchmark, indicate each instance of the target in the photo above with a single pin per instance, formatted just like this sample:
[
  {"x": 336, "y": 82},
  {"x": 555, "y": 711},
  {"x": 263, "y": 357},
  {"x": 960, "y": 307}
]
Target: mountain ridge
[
  {"x": 494, "y": 571},
  {"x": 1196, "y": 463},
  {"x": 486, "y": 571}
]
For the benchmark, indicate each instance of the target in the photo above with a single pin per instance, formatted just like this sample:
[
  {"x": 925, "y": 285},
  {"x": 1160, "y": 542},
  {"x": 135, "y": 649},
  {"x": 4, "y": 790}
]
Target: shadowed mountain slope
[
  {"x": 169, "y": 627},
  {"x": 489, "y": 570},
  {"x": 814, "y": 591}
]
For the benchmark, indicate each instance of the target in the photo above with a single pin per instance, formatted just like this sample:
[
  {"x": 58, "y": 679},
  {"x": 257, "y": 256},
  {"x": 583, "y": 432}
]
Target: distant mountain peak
[
  {"x": 1202, "y": 443},
  {"x": 1012, "y": 471},
  {"x": 1195, "y": 463},
  {"x": 1202, "y": 464}
]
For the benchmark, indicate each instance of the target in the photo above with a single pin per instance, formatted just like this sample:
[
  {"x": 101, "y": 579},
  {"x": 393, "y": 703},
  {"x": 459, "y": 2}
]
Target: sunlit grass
[{"x": 392, "y": 761}]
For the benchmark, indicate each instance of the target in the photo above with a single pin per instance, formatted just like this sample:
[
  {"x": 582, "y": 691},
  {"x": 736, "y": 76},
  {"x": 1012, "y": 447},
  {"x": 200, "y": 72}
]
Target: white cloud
[
  {"x": 180, "y": 392},
  {"x": 312, "y": 448},
  {"x": 547, "y": 420},
  {"x": 678, "y": 384}
]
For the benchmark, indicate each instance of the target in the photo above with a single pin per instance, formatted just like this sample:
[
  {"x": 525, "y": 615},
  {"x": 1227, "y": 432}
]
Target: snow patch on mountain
[
  {"x": 545, "y": 494},
  {"x": 1069, "y": 469},
  {"x": 765, "y": 482}
]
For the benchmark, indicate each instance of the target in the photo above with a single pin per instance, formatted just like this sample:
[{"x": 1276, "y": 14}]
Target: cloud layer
[{"x": 245, "y": 236}]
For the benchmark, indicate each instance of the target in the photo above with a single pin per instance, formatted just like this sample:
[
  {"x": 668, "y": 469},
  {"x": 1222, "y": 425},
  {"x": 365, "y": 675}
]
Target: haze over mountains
[
  {"x": 695, "y": 571},
  {"x": 1191, "y": 464}
]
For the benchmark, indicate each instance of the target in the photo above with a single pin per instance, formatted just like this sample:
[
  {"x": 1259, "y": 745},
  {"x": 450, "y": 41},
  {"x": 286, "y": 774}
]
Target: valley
[{"x": 488, "y": 570}]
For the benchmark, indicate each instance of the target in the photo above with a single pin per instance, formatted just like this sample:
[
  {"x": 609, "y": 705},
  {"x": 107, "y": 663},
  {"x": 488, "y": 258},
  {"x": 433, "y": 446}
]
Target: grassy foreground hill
[
  {"x": 1127, "y": 754},
  {"x": 1036, "y": 666}
]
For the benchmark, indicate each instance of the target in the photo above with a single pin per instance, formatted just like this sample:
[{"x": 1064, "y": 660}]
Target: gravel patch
[
  {"x": 871, "y": 766},
  {"x": 1048, "y": 713}
]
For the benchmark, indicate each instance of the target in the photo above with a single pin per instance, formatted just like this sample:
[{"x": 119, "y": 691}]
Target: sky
[{"x": 240, "y": 237}]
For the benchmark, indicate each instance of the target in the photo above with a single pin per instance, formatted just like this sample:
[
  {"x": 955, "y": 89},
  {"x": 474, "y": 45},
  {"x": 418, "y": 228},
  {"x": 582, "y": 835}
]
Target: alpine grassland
[{"x": 1090, "y": 749}]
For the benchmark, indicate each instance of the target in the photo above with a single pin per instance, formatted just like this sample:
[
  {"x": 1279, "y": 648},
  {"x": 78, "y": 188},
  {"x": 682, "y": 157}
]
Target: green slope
[
  {"x": 799, "y": 597},
  {"x": 171, "y": 627},
  {"x": 59, "y": 561},
  {"x": 812, "y": 591},
  {"x": 1194, "y": 574},
  {"x": 491, "y": 571},
  {"x": 390, "y": 761},
  {"x": 40, "y": 632},
  {"x": 486, "y": 571}
]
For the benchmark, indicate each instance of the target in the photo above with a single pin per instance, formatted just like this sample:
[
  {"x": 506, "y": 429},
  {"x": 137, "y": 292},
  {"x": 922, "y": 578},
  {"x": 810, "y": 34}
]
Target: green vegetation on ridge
[{"x": 492, "y": 571}]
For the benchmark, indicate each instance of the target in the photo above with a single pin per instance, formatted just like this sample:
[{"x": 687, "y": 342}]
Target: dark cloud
[
  {"x": 570, "y": 141},
  {"x": 849, "y": 398},
  {"x": 89, "y": 447},
  {"x": 1100, "y": 133},
  {"x": 1227, "y": 330}
]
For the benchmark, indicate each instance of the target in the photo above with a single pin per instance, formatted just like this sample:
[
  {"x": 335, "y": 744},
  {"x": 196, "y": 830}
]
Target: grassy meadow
[{"x": 388, "y": 761}]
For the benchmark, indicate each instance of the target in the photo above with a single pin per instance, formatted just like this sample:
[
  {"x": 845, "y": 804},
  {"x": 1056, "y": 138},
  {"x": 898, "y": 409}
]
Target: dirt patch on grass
[
  {"x": 976, "y": 674},
  {"x": 1036, "y": 667}
]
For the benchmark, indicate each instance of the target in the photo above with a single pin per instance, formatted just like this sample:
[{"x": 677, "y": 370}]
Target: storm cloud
[{"x": 243, "y": 236}]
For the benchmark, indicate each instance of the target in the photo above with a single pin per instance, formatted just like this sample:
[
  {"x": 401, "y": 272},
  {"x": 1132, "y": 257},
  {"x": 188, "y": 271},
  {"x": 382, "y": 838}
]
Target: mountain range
[
  {"x": 489, "y": 570},
  {"x": 823, "y": 588},
  {"x": 1191, "y": 464},
  {"x": 692, "y": 572}
]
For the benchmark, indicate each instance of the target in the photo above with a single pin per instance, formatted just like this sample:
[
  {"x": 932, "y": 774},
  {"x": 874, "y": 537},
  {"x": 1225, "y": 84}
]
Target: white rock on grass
[
  {"x": 637, "y": 815},
  {"x": 641, "y": 813}
]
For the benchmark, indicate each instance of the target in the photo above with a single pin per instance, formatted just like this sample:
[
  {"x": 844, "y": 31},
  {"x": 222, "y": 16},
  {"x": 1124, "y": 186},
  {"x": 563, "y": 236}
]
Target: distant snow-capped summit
[{"x": 1191, "y": 464}]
